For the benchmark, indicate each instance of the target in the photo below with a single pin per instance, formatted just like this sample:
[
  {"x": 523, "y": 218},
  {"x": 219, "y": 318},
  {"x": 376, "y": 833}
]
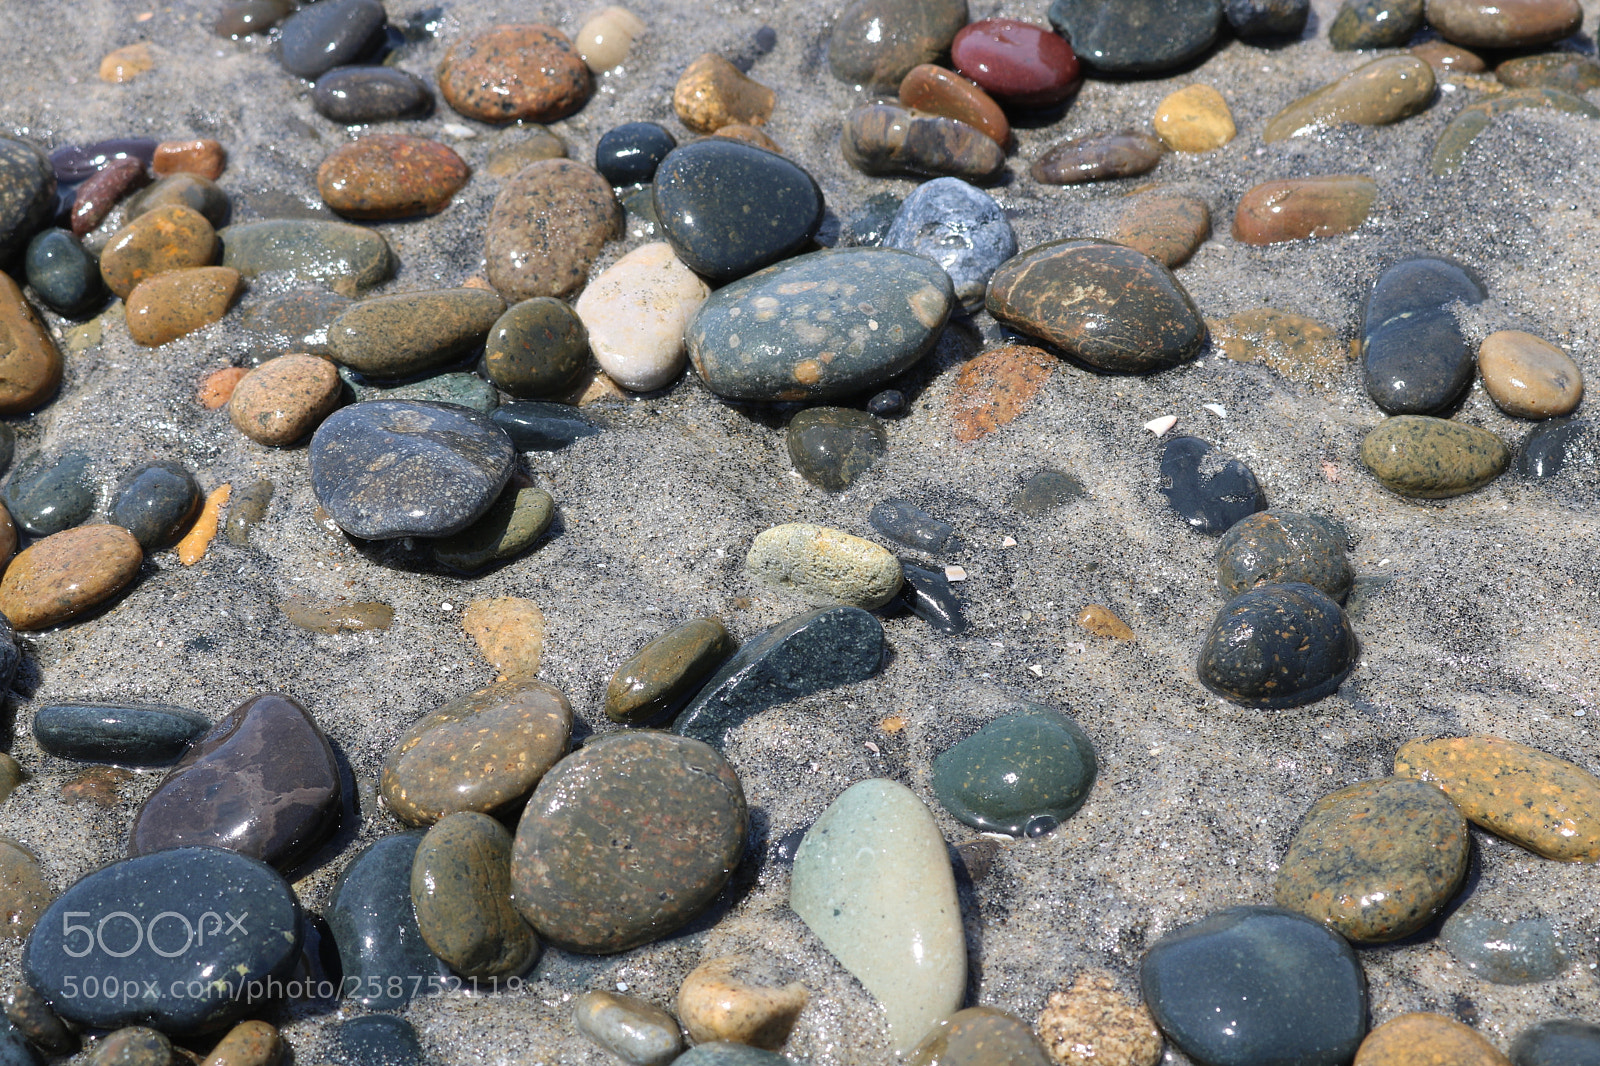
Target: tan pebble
[
  {"x": 1426, "y": 1040},
  {"x": 67, "y": 573},
  {"x": 1095, "y": 1024},
  {"x": 606, "y": 37},
  {"x": 713, "y": 93},
  {"x": 738, "y": 131},
  {"x": 24, "y": 893},
  {"x": 202, "y": 156},
  {"x": 126, "y": 63},
  {"x": 993, "y": 389},
  {"x": 892, "y": 724},
  {"x": 11, "y": 775},
  {"x": 1194, "y": 119},
  {"x": 1446, "y": 58},
  {"x": 192, "y": 548},
  {"x": 1299, "y": 208},
  {"x": 216, "y": 388},
  {"x": 534, "y": 146},
  {"x": 1299, "y": 348},
  {"x": 176, "y": 303},
  {"x": 1527, "y": 376},
  {"x": 509, "y": 631},
  {"x": 285, "y": 399},
  {"x": 333, "y": 618},
  {"x": 99, "y": 785},
  {"x": 30, "y": 362},
  {"x": 1102, "y": 622},
  {"x": 636, "y": 312},
  {"x": 717, "y": 1001},
  {"x": 252, "y": 1043},
  {"x": 593, "y": 386}
]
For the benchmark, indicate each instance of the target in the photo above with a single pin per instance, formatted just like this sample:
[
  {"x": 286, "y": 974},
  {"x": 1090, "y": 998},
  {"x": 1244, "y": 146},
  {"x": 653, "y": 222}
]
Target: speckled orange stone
[
  {"x": 391, "y": 175},
  {"x": 285, "y": 399},
  {"x": 547, "y": 228},
  {"x": 178, "y": 302},
  {"x": 994, "y": 388},
  {"x": 1426, "y": 1040},
  {"x": 1548, "y": 805},
  {"x": 66, "y": 573},
  {"x": 201, "y": 156},
  {"x": 1168, "y": 226},
  {"x": 251, "y": 1043},
  {"x": 1103, "y": 622},
  {"x": 30, "y": 363},
  {"x": 713, "y": 93},
  {"x": 216, "y": 388},
  {"x": 168, "y": 238},
  {"x": 510, "y": 73}
]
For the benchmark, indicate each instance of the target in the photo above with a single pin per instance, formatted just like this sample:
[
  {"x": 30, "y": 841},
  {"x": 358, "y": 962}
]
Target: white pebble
[
  {"x": 1158, "y": 426},
  {"x": 954, "y": 573},
  {"x": 636, "y": 312},
  {"x": 1009, "y": 542},
  {"x": 1216, "y": 409}
]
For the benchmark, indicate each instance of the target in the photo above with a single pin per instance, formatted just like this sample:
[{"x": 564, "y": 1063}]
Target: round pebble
[
  {"x": 1196, "y": 118},
  {"x": 1273, "y": 547},
  {"x": 27, "y": 195},
  {"x": 1506, "y": 953},
  {"x": 888, "y": 403},
  {"x": 629, "y": 154},
  {"x": 391, "y": 175},
  {"x": 1277, "y": 646},
  {"x": 202, "y": 156},
  {"x": 514, "y": 73},
  {"x": 547, "y": 227},
  {"x": 185, "y": 190},
  {"x": 1016, "y": 62},
  {"x": 1374, "y": 24},
  {"x": 45, "y": 495},
  {"x": 1558, "y": 1042},
  {"x": 64, "y": 275},
  {"x": 1527, "y": 376},
  {"x": 378, "y": 1040},
  {"x": 1167, "y": 225},
  {"x": 961, "y": 228},
  {"x": 637, "y": 1032},
  {"x": 1446, "y": 58},
  {"x": 517, "y": 520},
  {"x": 156, "y": 503},
  {"x": 167, "y": 238},
  {"x": 537, "y": 348},
  {"x": 1417, "y": 359},
  {"x": 285, "y": 400},
  {"x": 1093, "y": 1023},
  {"x": 1267, "y": 20},
  {"x": 637, "y": 313},
  {"x": 713, "y": 93},
  {"x": 1029, "y": 769},
  {"x": 1418, "y": 1038},
  {"x": 605, "y": 39},
  {"x": 978, "y": 1036}
]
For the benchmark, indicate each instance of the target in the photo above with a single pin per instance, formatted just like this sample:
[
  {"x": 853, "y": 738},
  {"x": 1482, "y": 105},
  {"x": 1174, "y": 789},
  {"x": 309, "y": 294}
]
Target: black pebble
[
  {"x": 929, "y": 596},
  {"x": 155, "y": 503},
  {"x": 1417, "y": 360},
  {"x": 1557, "y": 1042},
  {"x": 1277, "y": 646},
  {"x": 870, "y": 225},
  {"x": 542, "y": 427},
  {"x": 887, "y": 403},
  {"x": 1552, "y": 444},
  {"x": 833, "y": 446},
  {"x": 129, "y": 734},
  {"x": 630, "y": 153},
  {"x": 1209, "y": 490},
  {"x": 789, "y": 844},
  {"x": 355, "y": 95},
  {"x": 1258, "y": 19},
  {"x": 907, "y": 524}
]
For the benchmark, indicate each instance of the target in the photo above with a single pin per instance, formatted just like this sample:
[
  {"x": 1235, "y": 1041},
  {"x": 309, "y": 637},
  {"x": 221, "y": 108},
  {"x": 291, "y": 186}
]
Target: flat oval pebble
[
  {"x": 1416, "y": 355},
  {"x": 168, "y": 238},
  {"x": 662, "y": 675},
  {"x": 636, "y": 313},
  {"x": 811, "y": 652},
  {"x": 712, "y": 93},
  {"x": 1016, "y": 62},
  {"x": 1277, "y": 646},
  {"x": 134, "y": 1046},
  {"x": 626, "y": 840},
  {"x": 514, "y": 73},
  {"x": 318, "y": 38},
  {"x": 1096, "y": 157},
  {"x": 833, "y": 446},
  {"x": 1146, "y": 322},
  {"x": 1506, "y": 953},
  {"x": 873, "y": 881},
  {"x": 396, "y": 468},
  {"x": 729, "y": 209},
  {"x": 482, "y": 752},
  {"x": 359, "y": 95},
  {"x": 874, "y": 43},
  {"x": 250, "y": 1043},
  {"x": 824, "y": 565},
  {"x": 909, "y": 525},
  {"x": 1383, "y": 91},
  {"x": 263, "y": 782},
  {"x": 349, "y": 258},
  {"x": 1024, "y": 773},
  {"x": 535, "y": 426},
  {"x": 28, "y": 194},
  {"x": 1446, "y": 58},
  {"x": 49, "y": 494},
  {"x": 155, "y": 502},
  {"x": 605, "y": 39},
  {"x": 1375, "y": 861},
  {"x": 391, "y": 175},
  {"x": 1527, "y": 376},
  {"x": 636, "y": 1031},
  {"x": 1255, "y": 985},
  {"x": 1504, "y": 23},
  {"x": 1374, "y": 24},
  {"x": 285, "y": 400},
  {"x": 1532, "y": 798},
  {"x": 400, "y": 334},
  {"x": 979, "y": 1036},
  {"x": 176, "y": 303},
  {"x": 63, "y": 274},
  {"x": 934, "y": 90},
  {"x": 1568, "y": 71},
  {"x": 1294, "y": 209},
  {"x": 1254, "y": 20},
  {"x": 1273, "y": 547},
  {"x": 1557, "y": 445},
  {"x": 60, "y": 577},
  {"x": 547, "y": 227},
  {"x": 884, "y": 141},
  {"x": 461, "y": 892},
  {"x": 726, "y": 998},
  {"x": 128, "y": 734},
  {"x": 1209, "y": 490},
  {"x": 1558, "y": 1042},
  {"x": 1167, "y": 226},
  {"x": 959, "y": 227},
  {"x": 1137, "y": 36},
  {"x": 385, "y": 961},
  {"x": 629, "y": 154},
  {"x": 176, "y": 978},
  {"x": 517, "y": 520},
  {"x": 536, "y": 145},
  {"x": 376, "y": 1040},
  {"x": 201, "y": 156},
  {"x": 1416, "y": 1038},
  {"x": 1432, "y": 458},
  {"x": 462, "y": 388}
]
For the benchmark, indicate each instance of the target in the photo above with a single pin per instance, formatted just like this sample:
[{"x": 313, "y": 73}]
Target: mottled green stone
[
  {"x": 46, "y": 495},
  {"x": 460, "y": 387},
  {"x": 248, "y": 508},
  {"x": 518, "y": 518},
  {"x": 348, "y": 257},
  {"x": 1374, "y": 24},
  {"x": 1376, "y": 861},
  {"x": 537, "y": 348},
  {"x": 667, "y": 671},
  {"x": 1045, "y": 491},
  {"x": 832, "y": 446},
  {"x": 461, "y": 891},
  {"x": 1457, "y": 138},
  {"x": 635, "y": 1030},
  {"x": 407, "y": 333},
  {"x": 1025, "y": 772},
  {"x": 1433, "y": 458},
  {"x": 1271, "y": 547},
  {"x": 980, "y": 1036},
  {"x": 1383, "y": 91}
]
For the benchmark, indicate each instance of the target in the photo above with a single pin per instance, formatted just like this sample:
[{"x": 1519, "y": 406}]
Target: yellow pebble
[
  {"x": 1103, "y": 622},
  {"x": 1194, "y": 119},
  {"x": 126, "y": 63},
  {"x": 192, "y": 548}
]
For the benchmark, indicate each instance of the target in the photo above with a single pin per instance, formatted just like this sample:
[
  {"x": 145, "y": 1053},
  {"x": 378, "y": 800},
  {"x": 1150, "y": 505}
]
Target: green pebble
[
  {"x": 1374, "y": 24},
  {"x": 537, "y": 349},
  {"x": 1023, "y": 773},
  {"x": 518, "y": 518},
  {"x": 187, "y": 190},
  {"x": 350, "y": 258},
  {"x": 247, "y": 511},
  {"x": 468, "y": 390},
  {"x": 832, "y": 446},
  {"x": 667, "y": 671},
  {"x": 461, "y": 892},
  {"x": 1567, "y": 71},
  {"x": 1433, "y": 458},
  {"x": 1457, "y": 138},
  {"x": 1271, "y": 547},
  {"x": 411, "y": 332}
]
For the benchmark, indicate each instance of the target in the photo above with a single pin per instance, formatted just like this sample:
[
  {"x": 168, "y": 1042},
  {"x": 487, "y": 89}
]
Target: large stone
[
  {"x": 461, "y": 893},
  {"x": 60, "y": 577},
  {"x": 349, "y": 258},
  {"x": 406, "y": 333},
  {"x": 1417, "y": 357},
  {"x": 386, "y": 962}
]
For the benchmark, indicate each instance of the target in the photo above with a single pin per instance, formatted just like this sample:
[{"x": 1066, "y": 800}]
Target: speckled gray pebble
[
  {"x": 637, "y": 1032},
  {"x": 961, "y": 228},
  {"x": 1505, "y": 953}
]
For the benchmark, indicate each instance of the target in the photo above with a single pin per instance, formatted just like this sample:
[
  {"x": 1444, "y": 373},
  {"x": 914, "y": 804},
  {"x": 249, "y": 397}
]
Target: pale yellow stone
[
  {"x": 509, "y": 630},
  {"x": 606, "y": 37},
  {"x": 126, "y": 63},
  {"x": 825, "y": 565},
  {"x": 1194, "y": 119},
  {"x": 720, "y": 1001},
  {"x": 636, "y": 313}
]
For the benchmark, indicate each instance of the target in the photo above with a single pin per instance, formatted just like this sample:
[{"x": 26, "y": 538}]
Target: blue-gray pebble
[
  {"x": 961, "y": 228},
  {"x": 1137, "y": 36},
  {"x": 907, "y": 524},
  {"x": 386, "y": 962},
  {"x": 27, "y": 196},
  {"x": 377, "y": 1040},
  {"x": 1505, "y": 953},
  {"x": 10, "y": 654},
  {"x": 15, "y": 1050},
  {"x": 719, "y": 1053},
  {"x": 65, "y": 276},
  {"x": 330, "y": 34},
  {"x": 1558, "y": 1042},
  {"x": 534, "y": 426},
  {"x": 930, "y": 597},
  {"x": 1417, "y": 359},
  {"x": 155, "y": 503},
  {"x": 128, "y": 734},
  {"x": 1277, "y": 646},
  {"x": 47, "y": 495},
  {"x": 1208, "y": 490},
  {"x": 359, "y": 95},
  {"x": 1257, "y": 19},
  {"x": 1025, "y": 772}
]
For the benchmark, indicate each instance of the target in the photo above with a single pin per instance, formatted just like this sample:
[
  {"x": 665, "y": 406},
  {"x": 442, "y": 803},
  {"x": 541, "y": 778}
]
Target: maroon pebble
[
  {"x": 102, "y": 190},
  {"x": 1017, "y": 62}
]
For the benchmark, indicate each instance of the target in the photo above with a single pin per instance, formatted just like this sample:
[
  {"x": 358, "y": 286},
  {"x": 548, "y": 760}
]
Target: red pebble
[
  {"x": 100, "y": 192},
  {"x": 1017, "y": 62}
]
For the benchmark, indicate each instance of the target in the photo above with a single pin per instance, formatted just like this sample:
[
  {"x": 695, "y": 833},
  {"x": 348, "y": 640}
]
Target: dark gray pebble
[
  {"x": 377, "y": 1040},
  {"x": 128, "y": 734},
  {"x": 47, "y": 495},
  {"x": 1266, "y": 19},
  {"x": 1558, "y": 1042},
  {"x": 537, "y": 348},
  {"x": 156, "y": 503},
  {"x": 870, "y": 224},
  {"x": 63, "y": 274},
  {"x": 833, "y": 446},
  {"x": 1505, "y": 953},
  {"x": 905, "y": 523},
  {"x": 1211, "y": 491},
  {"x": 542, "y": 427},
  {"x": 1137, "y": 36},
  {"x": 359, "y": 95},
  {"x": 630, "y": 153},
  {"x": 789, "y": 844},
  {"x": 330, "y": 34},
  {"x": 1418, "y": 361},
  {"x": 1277, "y": 646},
  {"x": 376, "y": 929},
  {"x": 27, "y": 197},
  {"x": 888, "y": 403},
  {"x": 929, "y": 596},
  {"x": 1045, "y": 491}
]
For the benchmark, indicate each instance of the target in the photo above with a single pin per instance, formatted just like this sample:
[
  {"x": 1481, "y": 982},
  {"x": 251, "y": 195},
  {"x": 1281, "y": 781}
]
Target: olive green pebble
[
  {"x": 667, "y": 671},
  {"x": 1271, "y": 547},
  {"x": 1023, "y": 774},
  {"x": 248, "y": 509},
  {"x": 461, "y": 892},
  {"x": 1376, "y": 861},
  {"x": 1457, "y": 139},
  {"x": 11, "y": 775},
  {"x": 1433, "y": 458},
  {"x": 518, "y": 518},
  {"x": 537, "y": 349}
]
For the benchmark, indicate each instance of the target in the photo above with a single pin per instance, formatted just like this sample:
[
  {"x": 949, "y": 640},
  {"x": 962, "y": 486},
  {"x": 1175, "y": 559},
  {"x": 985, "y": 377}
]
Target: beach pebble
[
  {"x": 1558, "y": 1042},
  {"x": 356, "y": 96},
  {"x": 1563, "y": 443},
  {"x": 64, "y": 276},
  {"x": 1016, "y": 62},
  {"x": 875, "y": 43},
  {"x": 285, "y": 400},
  {"x": 155, "y": 502},
  {"x": 514, "y": 73},
  {"x": 722, "y": 999},
  {"x": 547, "y": 227},
  {"x": 822, "y": 326},
  {"x": 868, "y": 226},
  {"x": 250, "y": 1043},
  {"x": 959, "y": 227},
  {"x": 1209, "y": 490},
  {"x": 712, "y": 93},
  {"x": 34, "y": 1019},
  {"x": 396, "y": 468},
  {"x": 811, "y": 652},
  {"x": 729, "y": 209},
  {"x": 604, "y": 40},
  {"x": 46, "y": 495},
  {"x": 930, "y": 597},
  {"x": 722, "y": 1053},
  {"x": 667, "y": 672},
  {"x": 202, "y": 156},
  {"x": 1568, "y": 71},
  {"x": 1137, "y": 36},
  {"x": 176, "y": 303},
  {"x": 629, "y": 154},
  {"x": 1277, "y": 646},
  {"x": 65, "y": 574},
  {"x": 406, "y": 333},
  {"x": 1374, "y": 24},
  {"x": 1527, "y": 376},
  {"x": 1446, "y": 58},
  {"x": 128, "y": 734},
  {"x": 248, "y": 510},
  {"x": 1293, "y": 209},
  {"x": 348, "y": 258},
  {"x": 1257, "y": 984},
  {"x": 1196, "y": 118},
  {"x": 626, "y": 840},
  {"x": 100, "y": 192},
  {"x": 1147, "y": 321},
  {"x": 167, "y": 238},
  {"x": 543, "y": 427},
  {"x": 377, "y": 1040},
  {"x": 381, "y": 951},
  {"x": 24, "y": 892},
  {"x": 1375, "y": 861},
  {"x": 995, "y": 387},
  {"x": 122, "y": 65},
  {"x": 1096, "y": 157},
  {"x": 1381, "y": 92},
  {"x": 1102, "y": 621},
  {"x": 338, "y": 616},
  {"x": 517, "y": 520},
  {"x": 1273, "y": 547},
  {"x": 391, "y": 175},
  {"x": 824, "y": 565},
  {"x": 979, "y": 1036},
  {"x": 934, "y": 90},
  {"x": 738, "y": 131},
  {"x": 1504, "y": 23},
  {"x": 1046, "y": 490},
  {"x": 27, "y": 196},
  {"x": 1166, "y": 225},
  {"x": 1532, "y": 798},
  {"x": 1024, "y": 773},
  {"x": 1432, "y": 458},
  {"x": 1458, "y": 137},
  {"x": 1506, "y": 953},
  {"x": 909, "y": 525},
  {"x": 318, "y": 38},
  {"x": 1257, "y": 19},
  {"x": 637, "y": 1032},
  {"x": 1093, "y": 1023},
  {"x": 636, "y": 313},
  {"x": 461, "y": 892},
  {"x": 884, "y": 141},
  {"x": 30, "y": 363},
  {"x": 134, "y": 1046},
  {"x": 534, "y": 145},
  {"x": 1417, "y": 359},
  {"x": 509, "y": 632},
  {"x": 833, "y": 446},
  {"x": 873, "y": 881},
  {"x": 1416, "y": 1038},
  {"x": 186, "y": 881},
  {"x": 241, "y": 18}
]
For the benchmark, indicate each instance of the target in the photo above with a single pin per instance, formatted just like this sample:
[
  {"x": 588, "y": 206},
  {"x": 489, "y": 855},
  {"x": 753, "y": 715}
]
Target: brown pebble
[
  {"x": 101, "y": 190},
  {"x": 24, "y": 893},
  {"x": 1426, "y": 1040},
  {"x": 58, "y": 578},
  {"x": 33, "y": 1016},
  {"x": 512, "y": 73},
  {"x": 285, "y": 399},
  {"x": 201, "y": 156},
  {"x": 1194, "y": 119},
  {"x": 391, "y": 175},
  {"x": 1095, "y": 1024},
  {"x": 720, "y": 1000},
  {"x": 1103, "y": 622},
  {"x": 1527, "y": 376},
  {"x": 1297, "y": 208},
  {"x": 713, "y": 93},
  {"x": 251, "y": 1043},
  {"x": 1298, "y": 348},
  {"x": 133, "y": 1046},
  {"x": 1166, "y": 225},
  {"x": 1383, "y": 91},
  {"x": 126, "y": 63},
  {"x": 192, "y": 548},
  {"x": 1446, "y": 58},
  {"x": 1504, "y": 23},
  {"x": 99, "y": 785},
  {"x": 168, "y": 238},
  {"x": 937, "y": 91},
  {"x": 11, "y": 771},
  {"x": 1567, "y": 71},
  {"x": 531, "y": 147},
  {"x": 333, "y": 618},
  {"x": 548, "y": 226},
  {"x": 30, "y": 363},
  {"x": 216, "y": 388},
  {"x": 996, "y": 386},
  {"x": 738, "y": 131},
  {"x": 1096, "y": 157},
  {"x": 178, "y": 302},
  {"x": 509, "y": 631}
]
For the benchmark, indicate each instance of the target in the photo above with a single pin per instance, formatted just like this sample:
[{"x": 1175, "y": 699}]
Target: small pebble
[
  {"x": 285, "y": 400},
  {"x": 406, "y": 333},
  {"x": 35, "y": 1020},
  {"x": 1093, "y": 1023},
  {"x": 202, "y": 156},
  {"x": 637, "y": 1032},
  {"x": 1527, "y": 376},
  {"x": 176, "y": 303},
  {"x": 216, "y": 388},
  {"x": 1417, "y": 358},
  {"x": 1045, "y": 491},
  {"x": 1558, "y": 1042},
  {"x": 1277, "y": 646},
  {"x": 884, "y": 140},
  {"x": 908, "y": 525},
  {"x": 1272, "y": 547},
  {"x": 534, "y": 145},
  {"x": 1413, "y": 1039},
  {"x": 660, "y": 677},
  {"x": 251, "y": 1043},
  {"x": 339, "y": 617},
  {"x": 1254, "y": 20},
  {"x": 1374, "y": 24},
  {"x": 934, "y": 90},
  {"x": 167, "y": 238},
  {"x": 605, "y": 39},
  {"x": 63, "y": 275},
  {"x": 1568, "y": 71},
  {"x": 1016, "y": 62},
  {"x": 1096, "y": 157},
  {"x": 192, "y": 548},
  {"x": 134, "y": 1046},
  {"x": 1103, "y": 622},
  {"x": 636, "y": 313},
  {"x": 461, "y": 892},
  {"x": 629, "y": 154},
  {"x": 347, "y": 258},
  {"x": 875, "y": 43},
  {"x": 959, "y": 227},
  {"x": 996, "y": 387},
  {"x": 928, "y": 595},
  {"x": 712, "y": 93},
  {"x": 357, "y": 96},
  {"x": 318, "y": 38},
  {"x": 1556, "y": 445},
  {"x": 1298, "y": 348},
  {"x": 870, "y": 224},
  {"x": 155, "y": 503},
  {"x": 1209, "y": 490},
  {"x": 509, "y": 632},
  {"x": 1504, "y": 23},
  {"x": 722, "y": 999},
  {"x": 24, "y": 892},
  {"x": 391, "y": 175},
  {"x": 11, "y": 772},
  {"x": 517, "y": 520},
  {"x": 979, "y": 1036},
  {"x": 124, "y": 64},
  {"x": 1137, "y": 36},
  {"x": 46, "y": 495},
  {"x": 535, "y": 426},
  {"x": 247, "y": 512},
  {"x": 1506, "y": 953},
  {"x": 888, "y": 403},
  {"x": 377, "y": 1040},
  {"x": 1433, "y": 458},
  {"x": 1023, "y": 773},
  {"x": 514, "y": 73},
  {"x": 824, "y": 565},
  {"x": 547, "y": 228},
  {"x": 1295, "y": 209},
  {"x": 1194, "y": 119},
  {"x": 832, "y": 447},
  {"x": 99, "y": 194},
  {"x": 1381, "y": 92},
  {"x": 1168, "y": 226}
]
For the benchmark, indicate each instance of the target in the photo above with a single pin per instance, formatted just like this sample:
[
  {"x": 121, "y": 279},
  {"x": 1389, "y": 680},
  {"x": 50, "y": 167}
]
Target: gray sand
[{"x": 1488, "y": 621}]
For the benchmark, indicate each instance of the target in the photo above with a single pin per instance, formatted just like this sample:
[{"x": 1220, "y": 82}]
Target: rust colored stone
[
  {"x": 936, "y": 91},
  {"x": 192, "y": 548},
  {"x": 995, "y": 387},
  {"x": 510, "y": 73},
  {"x": 391, "y": 175},
  {"x": 99, "y": 785},
  {"x": 67, "y": 573},
  {"x": 168, "y": 238},
  {"x": 1297, "y": 208},
  {"x": 30, "y": 363},
  {"x": 285, "y": 400},
  {"x": 1167, "y": 226},
  {"x": 713, "y": 93},
  {"x": 216, "y": 388},
  {"x": 1426, "y": 1040},
  {"x": 101, "y": 191},
  {"x": 251, "y": 1043},
  {"x": 201, "y": 156},
  {"x": 178, "y": 302},
  {"x": 1103, "y": 622}
]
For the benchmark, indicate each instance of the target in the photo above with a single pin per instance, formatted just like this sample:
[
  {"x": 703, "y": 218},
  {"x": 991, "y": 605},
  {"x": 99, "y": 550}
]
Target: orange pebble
[
  {"x": 217, "y": 388},
  {"x": 192, "y": 548},
  {"x": 202, "y": 156}
]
